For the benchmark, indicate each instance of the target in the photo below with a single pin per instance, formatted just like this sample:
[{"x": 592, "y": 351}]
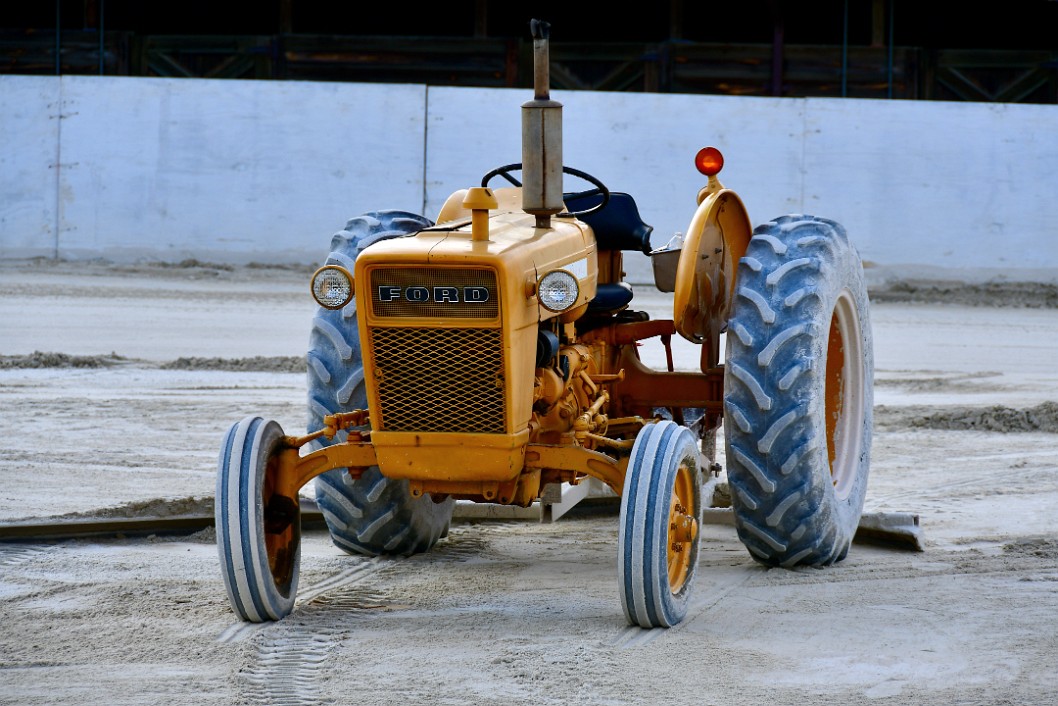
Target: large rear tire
[
  {"x": 258, "y": 529},
  {"x": 658, "y": 539},
  {"x": 371, "y": 515},
  {"x": 798, "y": 393}
]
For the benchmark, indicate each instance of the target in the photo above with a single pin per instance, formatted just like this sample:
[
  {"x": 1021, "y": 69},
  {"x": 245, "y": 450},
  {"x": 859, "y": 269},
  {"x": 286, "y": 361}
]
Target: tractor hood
[{"x": 516, "y": 250}]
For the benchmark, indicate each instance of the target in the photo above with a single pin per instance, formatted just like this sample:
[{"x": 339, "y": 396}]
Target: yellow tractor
[{"x": 493, "y": 353}]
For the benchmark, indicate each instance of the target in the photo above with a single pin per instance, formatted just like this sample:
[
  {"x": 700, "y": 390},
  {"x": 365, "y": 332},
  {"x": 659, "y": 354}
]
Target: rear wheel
[
  {"x": 798, "y": 393},
  {"x": 658, "y": 537},
  {"x": 258, "y": 528},
  {"x": 371, "y": 515}
]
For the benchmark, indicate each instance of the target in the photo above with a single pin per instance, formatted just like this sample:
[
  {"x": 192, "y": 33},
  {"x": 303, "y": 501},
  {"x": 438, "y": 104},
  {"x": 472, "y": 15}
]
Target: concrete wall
[
  {"x": 128, "y": 168},
  {"x": 218, "y": 170}
]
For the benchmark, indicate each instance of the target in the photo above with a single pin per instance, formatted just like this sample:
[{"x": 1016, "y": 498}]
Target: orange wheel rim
[
  {"x": 281, "y": 530},
  {"x": 844, "y": 395},
  {"x": 835, "y": 386},
  {"x": 683, "y": 529}
]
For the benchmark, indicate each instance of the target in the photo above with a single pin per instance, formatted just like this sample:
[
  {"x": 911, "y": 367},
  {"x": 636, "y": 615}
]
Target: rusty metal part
[
  {"x": 625, "y": 334},
  {"x": 644, "y": 389},
  {"x": 666, "y": 340},
  {"x": 605, "y": 379}
]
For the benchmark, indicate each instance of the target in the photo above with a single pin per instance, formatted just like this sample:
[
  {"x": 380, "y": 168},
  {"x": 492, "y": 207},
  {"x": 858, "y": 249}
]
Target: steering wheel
[{"x": 600, "y": 188}]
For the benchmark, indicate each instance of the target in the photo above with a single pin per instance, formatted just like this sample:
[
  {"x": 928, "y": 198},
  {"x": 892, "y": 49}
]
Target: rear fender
[{"x": 716, "y": 240}]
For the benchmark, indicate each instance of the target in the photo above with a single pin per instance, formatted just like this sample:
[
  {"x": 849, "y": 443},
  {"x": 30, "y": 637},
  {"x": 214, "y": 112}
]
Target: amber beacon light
[{"x": 709, "y": 161}]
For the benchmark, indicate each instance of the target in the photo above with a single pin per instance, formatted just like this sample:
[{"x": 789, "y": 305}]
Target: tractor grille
[
  {"x": 429, "y": 292},
  {"x": 440, "y": 380}
]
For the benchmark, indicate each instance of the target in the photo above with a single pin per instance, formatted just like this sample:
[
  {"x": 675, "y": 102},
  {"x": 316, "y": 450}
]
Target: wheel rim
[
  {"x": 844, "y": 394},
  {"x": 683, "y": 529},
  {"x": 282, "y": 529}
]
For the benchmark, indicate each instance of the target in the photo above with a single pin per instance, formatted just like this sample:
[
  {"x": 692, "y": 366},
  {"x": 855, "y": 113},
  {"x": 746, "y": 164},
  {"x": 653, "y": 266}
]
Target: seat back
[{"x": 617, "y": 226}]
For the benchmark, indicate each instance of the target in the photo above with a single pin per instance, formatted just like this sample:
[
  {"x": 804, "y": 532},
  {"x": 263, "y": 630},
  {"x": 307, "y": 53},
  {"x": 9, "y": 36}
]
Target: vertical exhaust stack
[{"x": 541, "y": 137}]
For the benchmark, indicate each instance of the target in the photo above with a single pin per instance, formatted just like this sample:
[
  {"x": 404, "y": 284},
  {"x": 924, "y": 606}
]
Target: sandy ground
[{"x": 514, "y": 612}]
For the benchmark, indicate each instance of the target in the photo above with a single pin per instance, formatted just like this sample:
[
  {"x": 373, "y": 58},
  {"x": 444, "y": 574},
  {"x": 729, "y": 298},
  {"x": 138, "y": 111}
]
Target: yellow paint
[
  {"x": 543, "y": 427},
  {"x": 517, "y": 252},
  {"x": 683, "y": 528},
  {"x": 480, "y": 201},
  {"x": 716, "y": 240}
]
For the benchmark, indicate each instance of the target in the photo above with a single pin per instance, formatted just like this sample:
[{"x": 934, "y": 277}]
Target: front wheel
[
  {"x": 258, "y": 527},
  {"x": 658, "y": 538},
  {"x": 798, "y": 393}
]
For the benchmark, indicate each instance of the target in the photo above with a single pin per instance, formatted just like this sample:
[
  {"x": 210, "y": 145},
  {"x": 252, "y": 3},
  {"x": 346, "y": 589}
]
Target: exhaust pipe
[{"x": 541, "y": 137}]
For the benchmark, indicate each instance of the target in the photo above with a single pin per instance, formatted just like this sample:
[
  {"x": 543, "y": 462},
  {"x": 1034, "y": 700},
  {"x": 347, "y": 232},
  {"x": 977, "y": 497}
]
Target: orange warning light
[{"x": 709, "y": 161}]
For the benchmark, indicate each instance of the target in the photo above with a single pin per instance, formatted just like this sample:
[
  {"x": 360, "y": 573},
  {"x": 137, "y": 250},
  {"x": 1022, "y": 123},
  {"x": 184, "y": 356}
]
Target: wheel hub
[{"x": 683, "y": 529}]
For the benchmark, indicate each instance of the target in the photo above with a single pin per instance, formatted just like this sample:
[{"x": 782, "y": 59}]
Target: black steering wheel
[{"x": 600, "y": 188}]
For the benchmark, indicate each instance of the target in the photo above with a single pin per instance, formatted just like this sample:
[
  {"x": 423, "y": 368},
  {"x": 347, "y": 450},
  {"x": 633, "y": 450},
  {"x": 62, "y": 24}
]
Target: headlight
[
  {"x": 558, "y": 290},
  {"x": 332, "y": 286}
]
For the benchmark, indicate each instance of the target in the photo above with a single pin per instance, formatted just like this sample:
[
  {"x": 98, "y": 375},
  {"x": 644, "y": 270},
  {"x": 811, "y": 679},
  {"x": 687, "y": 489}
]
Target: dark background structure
[{"x": 935, "y": 50}]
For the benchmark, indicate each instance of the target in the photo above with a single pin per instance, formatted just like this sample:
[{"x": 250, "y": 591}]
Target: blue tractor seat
[
  {"x": 618, "y": 225},
  {"x": 610, "y": 298}
]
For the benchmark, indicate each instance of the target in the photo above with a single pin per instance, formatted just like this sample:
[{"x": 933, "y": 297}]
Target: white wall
[
  {"x": 29, "y": 154},
  {"x": 946, "y": 184},
  {"x": 218, "y": 170},
  {"x": 266, "y": 171}
]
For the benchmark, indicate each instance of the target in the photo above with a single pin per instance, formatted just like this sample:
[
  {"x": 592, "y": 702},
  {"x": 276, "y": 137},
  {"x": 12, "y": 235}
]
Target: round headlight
[
  {"x": 332, "y": 286},
  {"x": 558, "y": 290}
]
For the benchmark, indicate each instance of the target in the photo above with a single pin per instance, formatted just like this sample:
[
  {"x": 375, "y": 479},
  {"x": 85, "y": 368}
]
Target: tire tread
[
  {"x": 784, "y": 512},
  {"x": 373, "y": 515}
]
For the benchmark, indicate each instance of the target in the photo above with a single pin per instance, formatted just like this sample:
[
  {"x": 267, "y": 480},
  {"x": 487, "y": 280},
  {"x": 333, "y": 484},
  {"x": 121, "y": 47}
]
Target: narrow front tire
[
  {"x": 659, "y": 536},
  {"x": 258, "y": 527}
]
